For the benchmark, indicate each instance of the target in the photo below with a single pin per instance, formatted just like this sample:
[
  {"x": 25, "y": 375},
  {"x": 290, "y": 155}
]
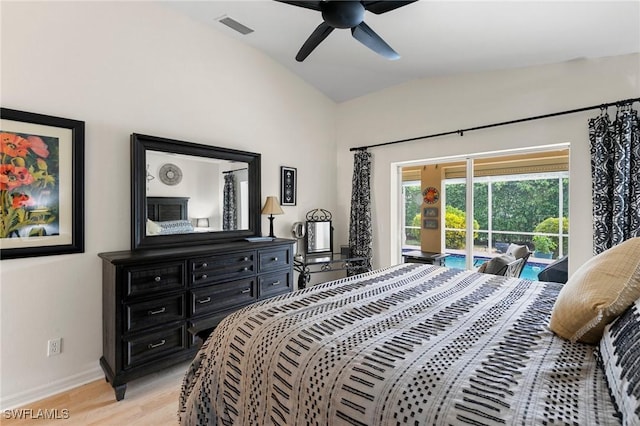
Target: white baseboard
[{"x": 21, "y": 399}]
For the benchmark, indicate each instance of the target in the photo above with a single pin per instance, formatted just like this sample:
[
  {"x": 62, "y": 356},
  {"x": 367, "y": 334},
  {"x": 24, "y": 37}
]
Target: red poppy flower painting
[{"x": 28, "y": 185}]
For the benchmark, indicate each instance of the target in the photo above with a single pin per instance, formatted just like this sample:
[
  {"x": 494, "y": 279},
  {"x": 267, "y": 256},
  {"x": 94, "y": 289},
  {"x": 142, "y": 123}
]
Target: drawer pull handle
[
  {"x": 157, "y": 279},
  {"x": 246, "y": 290},
  {"x": 204, "y": 265},
  {"x": 203, "y": 277},
  {"x": 276, "y": 282},
  {"x": 156, "y": 345},
  {"x": 275, "y": 259},
  {"x": 159, "y": 311},
  {"x": 207, "y": 300},
  {"x": 245, "y": 268},
  {"x": 245, "y": 258}
]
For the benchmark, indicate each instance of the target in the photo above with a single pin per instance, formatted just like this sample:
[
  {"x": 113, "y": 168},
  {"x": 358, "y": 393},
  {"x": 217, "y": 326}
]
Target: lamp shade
[
  {"x": 202, "y": 222},
  {"x": 272, "y": 206}
]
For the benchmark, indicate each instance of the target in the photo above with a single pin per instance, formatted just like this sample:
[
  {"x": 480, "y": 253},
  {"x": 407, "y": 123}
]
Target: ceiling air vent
[{"x": 234, "y": 25}]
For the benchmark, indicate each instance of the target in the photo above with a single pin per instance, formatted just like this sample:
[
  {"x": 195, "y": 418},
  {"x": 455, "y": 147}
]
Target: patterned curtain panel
[
  {"x": 229, "y": 220},
  {"x": 360, "y": 231},
  {"x": 615, "y": 173}
]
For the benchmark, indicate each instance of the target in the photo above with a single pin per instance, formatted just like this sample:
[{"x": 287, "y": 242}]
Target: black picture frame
[
  {"x": 430, "y": 224},
  {"x": 53, "y": 196},
  {"x": 288, "y": 186},
  {"x": 430, "y": 212}
]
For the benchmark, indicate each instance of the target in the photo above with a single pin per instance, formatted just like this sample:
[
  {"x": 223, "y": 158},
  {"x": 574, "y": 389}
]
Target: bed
[
  {"x": 168, "y": 215},
  {"x": 410, "y": 344}
]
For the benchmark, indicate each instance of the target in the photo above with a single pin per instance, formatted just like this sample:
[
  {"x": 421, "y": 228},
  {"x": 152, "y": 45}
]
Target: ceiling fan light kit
[{"x": 347, "y": 14}]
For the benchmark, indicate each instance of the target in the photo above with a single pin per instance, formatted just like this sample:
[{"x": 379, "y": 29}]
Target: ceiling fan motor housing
[{"x": 342, "y": 14}]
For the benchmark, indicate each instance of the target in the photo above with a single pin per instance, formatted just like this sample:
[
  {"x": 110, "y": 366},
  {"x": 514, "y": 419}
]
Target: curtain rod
[
  {"x": 236, "y": 170},
  {"x": 504, "y": 123}
]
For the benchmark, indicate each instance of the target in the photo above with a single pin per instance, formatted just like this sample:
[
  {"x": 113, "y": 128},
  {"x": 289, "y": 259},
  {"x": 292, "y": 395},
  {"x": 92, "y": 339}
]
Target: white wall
[
  {"x": 125, "y": 67},
  {"x": 444, "y": 104}
]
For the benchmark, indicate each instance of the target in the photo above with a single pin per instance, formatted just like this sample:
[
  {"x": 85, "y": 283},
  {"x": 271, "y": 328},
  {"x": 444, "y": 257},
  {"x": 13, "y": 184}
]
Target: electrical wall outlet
[{"x": 54, "y": 346}]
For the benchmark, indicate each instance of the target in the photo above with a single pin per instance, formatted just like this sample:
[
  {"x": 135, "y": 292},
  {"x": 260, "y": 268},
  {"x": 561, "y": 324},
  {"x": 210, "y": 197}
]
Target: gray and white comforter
[{"x": 406, "y": 345}]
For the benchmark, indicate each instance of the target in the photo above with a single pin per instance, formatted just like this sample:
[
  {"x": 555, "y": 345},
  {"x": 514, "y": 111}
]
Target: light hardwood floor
[{"x": 151, "y": 400}]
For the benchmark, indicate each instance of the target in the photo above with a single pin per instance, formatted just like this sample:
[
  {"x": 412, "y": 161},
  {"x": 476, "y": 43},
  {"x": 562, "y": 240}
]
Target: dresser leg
[{"x": 120, "y": 390}]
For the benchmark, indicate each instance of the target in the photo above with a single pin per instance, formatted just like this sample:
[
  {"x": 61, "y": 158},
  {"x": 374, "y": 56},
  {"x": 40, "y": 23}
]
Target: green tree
[
  {"x": 517, "y": 205},
  {"x": 551, "y": 225},
  {"x": 412, "y": 203},
  {"x": 456, "y": 218}
]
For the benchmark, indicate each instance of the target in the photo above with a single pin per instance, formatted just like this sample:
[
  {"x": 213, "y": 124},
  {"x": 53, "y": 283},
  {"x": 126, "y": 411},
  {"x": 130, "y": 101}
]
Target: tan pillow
[{"x": 597, "y": 293}]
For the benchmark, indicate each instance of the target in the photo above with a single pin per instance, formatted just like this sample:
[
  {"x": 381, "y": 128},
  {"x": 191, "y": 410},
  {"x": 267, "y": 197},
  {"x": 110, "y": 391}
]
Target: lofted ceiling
[{"x": 433, "y": 38}]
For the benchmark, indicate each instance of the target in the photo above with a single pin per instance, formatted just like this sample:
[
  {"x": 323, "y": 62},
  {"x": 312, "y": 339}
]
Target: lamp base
[{"x": 271, "y": 226}]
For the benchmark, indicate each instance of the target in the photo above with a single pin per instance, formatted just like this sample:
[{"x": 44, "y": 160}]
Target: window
[
  {"x": 529, "y": 209},
  {"x": 411, "y": 214},
  {"x": 517, "y": 198}
]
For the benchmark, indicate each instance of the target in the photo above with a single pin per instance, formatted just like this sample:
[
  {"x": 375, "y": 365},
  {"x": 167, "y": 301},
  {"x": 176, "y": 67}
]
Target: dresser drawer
[
  {"x": 273, "y": 284},
  {"x": 148, "y": 279},
  {"x": 155, "y": 312},
  {"x": 152, "y": 346},
  {"x": 226, "y": 267},
  {"x": 219, "y": 297},
  {"x": 270, "y": 260}
]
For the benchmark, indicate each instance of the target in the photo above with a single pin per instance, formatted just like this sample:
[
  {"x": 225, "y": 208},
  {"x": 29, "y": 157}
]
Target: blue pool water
[{"x": 530, "y": 271}]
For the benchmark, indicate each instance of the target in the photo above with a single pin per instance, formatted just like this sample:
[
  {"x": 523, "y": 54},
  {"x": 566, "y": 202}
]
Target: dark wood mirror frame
[{"x": 139, "y": 146}]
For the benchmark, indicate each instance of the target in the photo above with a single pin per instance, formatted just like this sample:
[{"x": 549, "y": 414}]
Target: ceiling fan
[{"x": 347, "y": 14}]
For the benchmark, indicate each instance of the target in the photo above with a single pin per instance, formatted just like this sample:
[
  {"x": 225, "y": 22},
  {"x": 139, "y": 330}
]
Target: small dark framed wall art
[{"x": 288, "y": 186}]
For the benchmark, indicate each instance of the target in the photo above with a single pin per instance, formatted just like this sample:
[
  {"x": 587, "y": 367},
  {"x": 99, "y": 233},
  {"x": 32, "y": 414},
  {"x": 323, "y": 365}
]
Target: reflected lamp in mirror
[
  {"x": 271, "y": 207},
  {"x": 202, "y": 222}
]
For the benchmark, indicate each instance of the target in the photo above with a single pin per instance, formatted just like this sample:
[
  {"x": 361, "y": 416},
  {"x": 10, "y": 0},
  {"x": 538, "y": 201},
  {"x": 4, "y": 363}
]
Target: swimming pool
[{"x": 530, "y": 271}]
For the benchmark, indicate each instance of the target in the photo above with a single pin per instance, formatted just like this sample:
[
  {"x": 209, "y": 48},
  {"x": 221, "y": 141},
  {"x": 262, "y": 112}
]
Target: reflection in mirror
[
  {"x": 319, "y": 232},
  {"x": 319, "y": 237},
  {"x": 216, "y": 193},
  {"x": 184, "y": 193}
]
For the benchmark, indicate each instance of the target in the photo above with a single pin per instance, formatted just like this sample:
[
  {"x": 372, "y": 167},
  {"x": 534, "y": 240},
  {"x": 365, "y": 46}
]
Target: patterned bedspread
[{"x": 406, "y": 345}]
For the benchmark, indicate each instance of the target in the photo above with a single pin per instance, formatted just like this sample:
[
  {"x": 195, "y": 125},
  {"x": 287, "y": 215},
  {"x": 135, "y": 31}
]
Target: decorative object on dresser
[
  {"x": 157, "y": 303},
  {"x": 42, "y": 186},
  {"x": 271, "y": 207}
]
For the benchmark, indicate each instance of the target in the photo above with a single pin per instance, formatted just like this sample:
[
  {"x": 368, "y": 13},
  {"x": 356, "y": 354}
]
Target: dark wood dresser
[{"x": 155, "y": 302}]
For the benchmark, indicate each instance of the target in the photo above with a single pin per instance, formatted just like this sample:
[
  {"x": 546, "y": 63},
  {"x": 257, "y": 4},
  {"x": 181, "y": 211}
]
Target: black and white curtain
[
  {"x": 229, "y": 220},
  {"x": 360, "y": 229},
  {"x": 615, "y": 173}
]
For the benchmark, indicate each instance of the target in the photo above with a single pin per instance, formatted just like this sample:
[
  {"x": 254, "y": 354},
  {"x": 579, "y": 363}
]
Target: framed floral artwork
[
  {"x": 41, "y": 185},
  {"x": 288, "y": 186}
]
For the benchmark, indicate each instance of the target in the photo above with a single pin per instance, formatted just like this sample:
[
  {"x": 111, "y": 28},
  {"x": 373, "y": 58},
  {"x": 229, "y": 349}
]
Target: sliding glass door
[{"x": 515, "y": 199}]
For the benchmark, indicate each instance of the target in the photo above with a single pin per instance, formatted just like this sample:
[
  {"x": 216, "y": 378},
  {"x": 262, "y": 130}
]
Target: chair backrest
[{"x": 514, "y": 269}]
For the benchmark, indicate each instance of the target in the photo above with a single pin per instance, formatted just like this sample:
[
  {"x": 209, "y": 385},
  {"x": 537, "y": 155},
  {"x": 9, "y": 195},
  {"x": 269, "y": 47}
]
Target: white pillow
[{"x": 153, "y": 228}]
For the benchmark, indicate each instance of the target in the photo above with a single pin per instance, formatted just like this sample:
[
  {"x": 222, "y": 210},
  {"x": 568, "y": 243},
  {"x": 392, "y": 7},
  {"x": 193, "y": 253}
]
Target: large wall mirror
[{"x": 185, "y": 193}]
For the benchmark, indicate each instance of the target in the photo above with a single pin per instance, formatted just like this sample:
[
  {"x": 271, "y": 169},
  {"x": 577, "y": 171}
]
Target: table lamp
[{"x": 271, "y": 207}]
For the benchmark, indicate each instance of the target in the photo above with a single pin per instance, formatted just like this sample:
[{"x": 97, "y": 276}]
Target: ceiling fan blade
[
  {"x": 365, "y": 35},
  {"x": 316, "y": 37},
  {"x": 314, "y": 5},
  {"x": 379, "y": 7}
]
